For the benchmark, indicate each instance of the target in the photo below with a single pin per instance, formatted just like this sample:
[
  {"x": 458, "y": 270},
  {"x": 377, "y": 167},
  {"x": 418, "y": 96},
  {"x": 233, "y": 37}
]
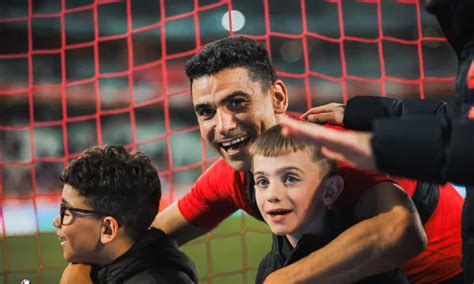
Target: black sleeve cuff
[
  {"x": 460, "y": 155},
  {"x": 412, "y": 148},
  {"x": 361, "y": 111}
]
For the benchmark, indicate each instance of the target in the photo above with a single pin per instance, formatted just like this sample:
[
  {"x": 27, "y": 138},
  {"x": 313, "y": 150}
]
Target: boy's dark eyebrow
[
  {"x": 279, "y": 171},
  {"x": 258, "y": 173},
  {"x": 289, "y": 168},
  {"x": 63, "y": 201}
]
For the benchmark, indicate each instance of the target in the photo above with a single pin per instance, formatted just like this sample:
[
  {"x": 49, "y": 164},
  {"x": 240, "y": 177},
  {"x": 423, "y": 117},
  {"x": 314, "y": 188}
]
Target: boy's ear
[
  {"x": 110, "y": 228},
  {"x": 280, "y": 97},
  {"x": 333, "y": 187}
]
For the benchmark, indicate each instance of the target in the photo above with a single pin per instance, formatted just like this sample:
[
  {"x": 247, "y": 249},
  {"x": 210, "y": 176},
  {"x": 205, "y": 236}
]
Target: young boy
[
  {"x": 297, "y": 194},
  {"x": 109, "y": 199}
]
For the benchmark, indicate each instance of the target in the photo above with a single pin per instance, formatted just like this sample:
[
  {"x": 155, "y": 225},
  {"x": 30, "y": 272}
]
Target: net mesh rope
[{"x": 156, "y": 68}]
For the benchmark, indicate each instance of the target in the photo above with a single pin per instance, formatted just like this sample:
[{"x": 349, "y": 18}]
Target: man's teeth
[{"x": 235, "y": 141}]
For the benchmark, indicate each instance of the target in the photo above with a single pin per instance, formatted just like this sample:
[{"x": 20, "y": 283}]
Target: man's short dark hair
[
  {"x": 233, "y": 53},
  {"x": 123, "y": 184}
]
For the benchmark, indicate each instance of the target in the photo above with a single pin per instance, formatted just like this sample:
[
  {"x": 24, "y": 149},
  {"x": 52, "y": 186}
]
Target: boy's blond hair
[{"x": 272, "y": 143}]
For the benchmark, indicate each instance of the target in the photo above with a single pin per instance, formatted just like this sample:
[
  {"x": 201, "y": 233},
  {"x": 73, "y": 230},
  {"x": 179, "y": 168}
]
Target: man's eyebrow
[
  {"x": 63, "y": 201},
  {"x": 233, "y": 95},
  {"x": 199, "y": 107},
  {"x": 223, "y": 101}
]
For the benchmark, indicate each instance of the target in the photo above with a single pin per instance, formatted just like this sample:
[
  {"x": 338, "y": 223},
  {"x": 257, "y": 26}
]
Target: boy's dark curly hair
[
  {"x": 115, "y": 181},
  {"x": 232, "y": 53}
]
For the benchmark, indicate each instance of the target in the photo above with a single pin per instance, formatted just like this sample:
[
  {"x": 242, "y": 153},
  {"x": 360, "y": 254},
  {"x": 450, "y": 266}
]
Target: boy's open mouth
[{"x": 277, "y": 212}]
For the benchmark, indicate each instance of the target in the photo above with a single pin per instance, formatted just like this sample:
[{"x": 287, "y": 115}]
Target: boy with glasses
[{"x": 109, "y": 199}]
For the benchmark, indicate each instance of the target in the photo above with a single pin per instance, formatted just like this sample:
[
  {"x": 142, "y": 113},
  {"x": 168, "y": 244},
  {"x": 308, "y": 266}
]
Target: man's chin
[{"x": 238, "y": 165}]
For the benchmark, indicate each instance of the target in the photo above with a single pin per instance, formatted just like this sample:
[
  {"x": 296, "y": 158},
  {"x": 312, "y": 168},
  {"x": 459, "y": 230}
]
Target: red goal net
[{"x": 75, "y": 73}]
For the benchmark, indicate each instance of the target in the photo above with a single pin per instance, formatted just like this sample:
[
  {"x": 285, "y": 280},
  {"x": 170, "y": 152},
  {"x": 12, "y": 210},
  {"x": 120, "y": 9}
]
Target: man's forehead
[
  {"x": 228, "y": 76},
  {"x": 211, "y": 89}
]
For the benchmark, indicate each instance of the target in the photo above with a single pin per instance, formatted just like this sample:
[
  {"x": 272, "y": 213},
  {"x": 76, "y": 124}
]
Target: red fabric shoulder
[
  {"x": 442, "y": 258},
  {"x": 356, "y": 183},
  {"x": 217, "y": 193},
  {"x": 408, "y": 185}
]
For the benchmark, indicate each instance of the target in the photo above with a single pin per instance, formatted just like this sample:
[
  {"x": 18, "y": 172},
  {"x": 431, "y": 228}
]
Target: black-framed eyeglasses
[{"x": 66, "y": 219}]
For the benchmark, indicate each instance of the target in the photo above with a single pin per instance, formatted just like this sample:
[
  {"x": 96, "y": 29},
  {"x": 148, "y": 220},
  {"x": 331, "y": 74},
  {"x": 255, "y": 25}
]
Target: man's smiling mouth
[{"x": 231, "y": 146}]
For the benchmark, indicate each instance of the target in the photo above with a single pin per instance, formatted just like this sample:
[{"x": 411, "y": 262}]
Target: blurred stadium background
[{"x": 74, "y": 73}]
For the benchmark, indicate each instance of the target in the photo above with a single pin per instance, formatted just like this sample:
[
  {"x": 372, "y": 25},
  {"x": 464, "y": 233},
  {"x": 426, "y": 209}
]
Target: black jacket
[
  {"x": 153, "y": 259},
  {"x": 283, "y": 254},
  {"x": 421, "y": 139}
]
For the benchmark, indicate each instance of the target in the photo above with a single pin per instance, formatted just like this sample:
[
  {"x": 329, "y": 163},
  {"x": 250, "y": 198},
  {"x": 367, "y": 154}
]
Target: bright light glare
[{"x": 238, "y": 20}]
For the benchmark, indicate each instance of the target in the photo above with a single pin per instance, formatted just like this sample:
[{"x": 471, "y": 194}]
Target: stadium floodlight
[{"x": 238, "y": 20}]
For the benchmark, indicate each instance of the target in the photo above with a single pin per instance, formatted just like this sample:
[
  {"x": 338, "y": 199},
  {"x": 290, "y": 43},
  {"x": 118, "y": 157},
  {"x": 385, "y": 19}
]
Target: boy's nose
[{"x": 56, "y": 222}]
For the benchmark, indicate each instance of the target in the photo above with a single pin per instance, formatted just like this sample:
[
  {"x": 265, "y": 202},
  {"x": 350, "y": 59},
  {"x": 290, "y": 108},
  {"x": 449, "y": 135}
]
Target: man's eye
[
  {"x": 206, "y": 113},
  {"x": 236, "y": 103}
]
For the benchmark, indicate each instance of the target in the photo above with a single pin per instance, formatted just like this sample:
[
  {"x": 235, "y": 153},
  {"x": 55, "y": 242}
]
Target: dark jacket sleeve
[
  {"x": 416, "y": 138},
  {"x": 361, "y": 111},
  {"x": 431, "y": 148}
]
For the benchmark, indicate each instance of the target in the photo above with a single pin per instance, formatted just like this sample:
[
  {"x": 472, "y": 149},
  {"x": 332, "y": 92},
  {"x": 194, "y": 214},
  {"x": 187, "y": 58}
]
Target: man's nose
[{"x": 225, "y": 122}]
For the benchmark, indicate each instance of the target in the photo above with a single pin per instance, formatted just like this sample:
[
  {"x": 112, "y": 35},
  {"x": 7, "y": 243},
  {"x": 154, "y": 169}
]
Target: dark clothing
[
  {"x": 416, "y": 138},
  {"x": 153, "y": 259},
  {"x": 283, "y": 254},
  {"x": 456, "y": 21},
  {"x": 422, "y": 139}
]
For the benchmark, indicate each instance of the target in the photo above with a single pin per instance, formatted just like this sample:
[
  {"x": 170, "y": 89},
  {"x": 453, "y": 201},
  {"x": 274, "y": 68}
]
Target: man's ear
[
  {"x": 279, "y": 97},
  {"x": 110, "y": 228},
  {"x": 333, "y": 186}
]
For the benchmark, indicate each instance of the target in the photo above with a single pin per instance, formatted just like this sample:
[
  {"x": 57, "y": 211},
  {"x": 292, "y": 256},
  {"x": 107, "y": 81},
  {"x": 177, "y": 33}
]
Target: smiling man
[
  {"x": 237, "y": 96},
  {"x": 109, "y": 200}
]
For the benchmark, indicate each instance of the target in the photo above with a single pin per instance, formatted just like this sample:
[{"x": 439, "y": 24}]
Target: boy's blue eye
[
  {"x": 261, "y": 182},
  {"x": 290, "y": 179}
]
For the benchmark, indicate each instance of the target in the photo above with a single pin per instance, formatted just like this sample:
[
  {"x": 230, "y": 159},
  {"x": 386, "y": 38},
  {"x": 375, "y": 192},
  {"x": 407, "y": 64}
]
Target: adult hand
[
  {"x": 329, "y": 113},
  {"x": 350, "y": 147}
]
